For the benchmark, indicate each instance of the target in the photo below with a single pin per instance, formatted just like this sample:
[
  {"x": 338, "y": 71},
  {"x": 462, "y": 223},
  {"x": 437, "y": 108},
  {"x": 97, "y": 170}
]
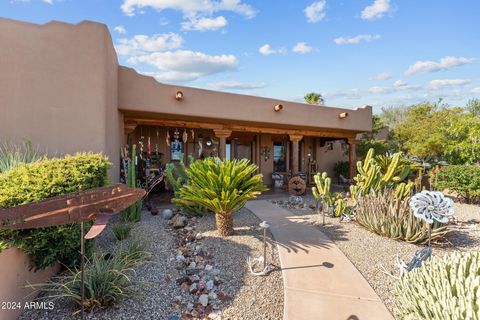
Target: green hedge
[
  {"x": 45, "y": 179},
  {"x": 462, "y": 179}
]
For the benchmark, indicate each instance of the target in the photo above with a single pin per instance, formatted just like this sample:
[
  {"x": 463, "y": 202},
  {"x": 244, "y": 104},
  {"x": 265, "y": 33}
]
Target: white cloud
[
  {"x": 302, "y": 47},
  {"x": 190, "y": 8},
  {"x": 376, "y": 10},
  {"x": 120, "y": 29},
  {"x": 383, "y": 76},
  {"x": 204, "y": 24},
  {"x": 185, "y": 65},
  {"x": 445, "y": 63},
  {"x": 316, "y": 11},
  {"x": 48, "y": 1},
  {"x": 353, "y": 94},
  {"x": 267, "y": 50},
  {"x": 440, "y": 84},
  {"x": 476, "y": 90},
  {"x": 357, "y": 39},
  {"x": 141, "y": 44},
  {"x": 236, "y": 85},
  {"x": 400, "y": 83}
]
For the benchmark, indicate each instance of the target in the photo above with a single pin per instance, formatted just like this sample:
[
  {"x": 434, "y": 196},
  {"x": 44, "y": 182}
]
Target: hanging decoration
[
  {"x": 167, "y": 138},
  {"x": 200, "y": 146},
  {"x": 185, "y": 136},
  {"x": 176, "y": 134},
  {"x": 193, "y": 134}
]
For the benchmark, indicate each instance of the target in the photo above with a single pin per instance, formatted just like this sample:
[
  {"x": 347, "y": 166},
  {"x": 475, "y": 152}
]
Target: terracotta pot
[{"x": 154, "y": 211}]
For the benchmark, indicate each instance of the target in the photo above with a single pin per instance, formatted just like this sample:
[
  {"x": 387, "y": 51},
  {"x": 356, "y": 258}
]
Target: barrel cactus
[{"x": 445, "y": 288}]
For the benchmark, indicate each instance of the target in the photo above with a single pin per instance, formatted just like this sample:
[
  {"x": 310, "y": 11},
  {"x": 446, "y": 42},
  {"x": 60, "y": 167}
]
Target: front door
[{"x": 243, "y": 150}]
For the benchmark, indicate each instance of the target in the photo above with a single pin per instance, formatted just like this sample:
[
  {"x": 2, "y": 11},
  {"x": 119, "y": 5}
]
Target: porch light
[
  {"x": 278, "y": 107},
  {"x": 343, "y": 115},
  {"x": 179, "y": 95}
]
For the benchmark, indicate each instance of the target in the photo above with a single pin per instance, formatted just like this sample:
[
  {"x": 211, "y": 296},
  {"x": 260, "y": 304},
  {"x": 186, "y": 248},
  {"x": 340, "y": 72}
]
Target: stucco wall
[
  {"x": 15, "y": 275},
  {"x": 58, "y": 87},
  {"x": 138, "y": 93}
]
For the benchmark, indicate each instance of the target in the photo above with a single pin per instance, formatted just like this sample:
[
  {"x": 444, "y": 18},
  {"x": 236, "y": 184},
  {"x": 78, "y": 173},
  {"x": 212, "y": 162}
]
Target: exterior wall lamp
[
  {"x": 179, "y": 95},
  {"x": 278, "y": 107},
  {"x": 343, "y": 115}
]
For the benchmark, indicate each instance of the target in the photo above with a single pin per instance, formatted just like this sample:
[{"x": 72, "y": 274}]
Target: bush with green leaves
[
  {"x": 176, "y": 175},
  {"x": 45, "y": 179},
  {"x": 221, "y": 186},
  {"x": 108, "y": 278},
  {"x": 443, "y": 288},
  {"x": 12, "y": 155},
  {"x": 465, "y": 180},
  {"x": 384, "y": 214},
  {"x": 121, "y": 231}
]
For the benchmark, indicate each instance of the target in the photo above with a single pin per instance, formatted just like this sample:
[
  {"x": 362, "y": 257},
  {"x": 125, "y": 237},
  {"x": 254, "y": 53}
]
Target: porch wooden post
[
  {"x": 222, "y": 135},
  {"x": 352, "y": 157},
  {"x": 295, "y": 161}
]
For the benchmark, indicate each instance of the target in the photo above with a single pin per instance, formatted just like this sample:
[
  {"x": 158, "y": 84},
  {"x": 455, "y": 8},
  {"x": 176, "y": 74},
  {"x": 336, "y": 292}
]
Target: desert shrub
[
  {"x": 341, "y": 168},
  {"x": 221, "y": 186},
  {"x": 465, "y": 180},
  {"x": 108, "y": 278},
  {"x": 45, "y": 179},
  {"x": 121, "y": 230},
  {"x": 387, "y": 216},
  {"x": 441, "y": 289},
  {"x": 177, "y": 176},
  {"x": 12, "y": 155}
]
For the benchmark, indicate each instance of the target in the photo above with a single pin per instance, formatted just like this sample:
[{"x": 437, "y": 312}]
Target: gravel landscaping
[
  {"x": 369, "y": 251},
  {"x": 218, "y": 286}
]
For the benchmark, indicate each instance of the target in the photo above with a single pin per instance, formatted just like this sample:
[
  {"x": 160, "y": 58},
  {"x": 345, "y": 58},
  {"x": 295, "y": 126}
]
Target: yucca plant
[
  {"x": 441, "y": 289},
  {"x": 386, "y": 215},
  {"x": 221, "y": 186},
  {"x": 11, "y": 155},
  {"x": 108, "y": 278}
]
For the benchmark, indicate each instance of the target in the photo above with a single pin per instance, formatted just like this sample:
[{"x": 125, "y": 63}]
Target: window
[{"x": 279, "y": 156}]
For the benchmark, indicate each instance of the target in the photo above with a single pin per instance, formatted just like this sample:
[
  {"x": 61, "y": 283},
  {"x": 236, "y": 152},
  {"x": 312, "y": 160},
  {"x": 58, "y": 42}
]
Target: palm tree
[
  {"x": 314, "y": 98},
  {"x": 221, "y": 186}
]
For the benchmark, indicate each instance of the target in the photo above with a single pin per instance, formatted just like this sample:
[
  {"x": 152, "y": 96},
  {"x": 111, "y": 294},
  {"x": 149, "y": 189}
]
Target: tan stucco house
[{"x": 62, "y": 88}]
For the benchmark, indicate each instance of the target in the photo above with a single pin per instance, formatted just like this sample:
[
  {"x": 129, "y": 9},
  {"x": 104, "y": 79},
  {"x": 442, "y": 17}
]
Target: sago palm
[{"x": 221, "y": 186}]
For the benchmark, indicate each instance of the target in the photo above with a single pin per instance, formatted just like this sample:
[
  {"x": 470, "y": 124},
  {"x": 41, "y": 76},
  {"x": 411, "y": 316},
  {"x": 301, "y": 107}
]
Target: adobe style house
[{"x": 62, "y": 88}]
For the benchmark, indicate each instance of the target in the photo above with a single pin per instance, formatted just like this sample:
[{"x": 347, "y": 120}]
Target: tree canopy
[{"x": 314, "y": 98}]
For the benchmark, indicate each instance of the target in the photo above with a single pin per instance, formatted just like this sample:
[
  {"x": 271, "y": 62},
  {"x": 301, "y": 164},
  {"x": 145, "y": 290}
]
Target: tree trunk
[{"x": 224, "y": 224}]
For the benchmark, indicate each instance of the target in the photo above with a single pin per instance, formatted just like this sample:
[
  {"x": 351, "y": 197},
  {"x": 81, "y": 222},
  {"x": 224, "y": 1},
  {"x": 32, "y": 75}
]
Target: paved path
[{"x": 319, "y": 281}]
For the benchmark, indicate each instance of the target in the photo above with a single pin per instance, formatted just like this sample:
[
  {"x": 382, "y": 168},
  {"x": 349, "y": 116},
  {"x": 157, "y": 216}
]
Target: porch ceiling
[{"x": 133, "y": 119}]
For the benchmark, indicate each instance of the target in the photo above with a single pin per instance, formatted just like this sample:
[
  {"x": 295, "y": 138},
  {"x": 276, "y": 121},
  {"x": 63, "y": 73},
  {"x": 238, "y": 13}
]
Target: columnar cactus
[
  {"x": 322, "y": 187},
  {"x": 134, "y": 212},
  {"x": 441, "y": 289}
]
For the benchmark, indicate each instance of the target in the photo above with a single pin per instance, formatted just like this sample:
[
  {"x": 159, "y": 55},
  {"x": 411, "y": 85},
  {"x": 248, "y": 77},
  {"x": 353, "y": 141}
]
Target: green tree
[
  {"x": 369, "y": 140},
  {"x": 314, "y": 98},
  {"x": 473, "y": 106}
]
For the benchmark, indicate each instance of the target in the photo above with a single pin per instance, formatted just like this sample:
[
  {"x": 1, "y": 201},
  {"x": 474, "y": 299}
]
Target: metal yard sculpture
[
  {"x": 97, "y": 205},
  {"x": 430, "y": 206}
]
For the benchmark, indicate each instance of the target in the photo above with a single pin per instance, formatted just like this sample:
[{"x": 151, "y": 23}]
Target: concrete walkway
[{"x": 319, "y": 281}]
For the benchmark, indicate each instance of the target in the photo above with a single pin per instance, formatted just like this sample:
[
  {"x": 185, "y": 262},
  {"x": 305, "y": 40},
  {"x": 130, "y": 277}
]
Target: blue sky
[{"x": 357, "y": 52}]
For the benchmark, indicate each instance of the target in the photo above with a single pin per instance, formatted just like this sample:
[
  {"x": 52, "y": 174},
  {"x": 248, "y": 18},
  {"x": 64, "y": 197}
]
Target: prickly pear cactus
[
  {"x": 441, "y": 289},
  {"x": 322, "y": 186}
]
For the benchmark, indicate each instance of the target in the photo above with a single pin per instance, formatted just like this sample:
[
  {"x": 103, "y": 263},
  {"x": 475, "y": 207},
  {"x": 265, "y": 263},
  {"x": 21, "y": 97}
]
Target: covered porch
[{"x": 274, "y": 149}]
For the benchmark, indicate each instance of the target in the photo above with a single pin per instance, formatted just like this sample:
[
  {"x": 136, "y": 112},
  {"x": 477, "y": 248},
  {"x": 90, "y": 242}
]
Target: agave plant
[
  {"x": 221, "y": 186},
  {"x": 389, "y": 216}
]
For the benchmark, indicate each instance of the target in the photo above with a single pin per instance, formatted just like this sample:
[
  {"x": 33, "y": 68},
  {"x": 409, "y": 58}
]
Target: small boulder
[
  {"x": 167, "y": 214},
  {"x": 179, "y": 221},
  {"x": 203, "y": 300}
]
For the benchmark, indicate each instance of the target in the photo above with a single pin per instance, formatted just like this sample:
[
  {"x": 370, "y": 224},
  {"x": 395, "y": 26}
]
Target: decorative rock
[
  {"x": 209, "y": 285},
  {"x": 198, "y": 236},
  {"x": 203, "y": 300},
  {"x": 167, "y": 214},
  {"x": 192, "y": 265},
  {"x": 188, "y": 228},
  {"x": 190, "y": 306},
  {"x": 212, "y": 296},
  {"x": 179, "y": 221},
  {"x": 193, "y": 288},
  {"x": 194, "y": 278},
  {"x": 180, "y": 258},
  {"x": 208, "y": 267}
]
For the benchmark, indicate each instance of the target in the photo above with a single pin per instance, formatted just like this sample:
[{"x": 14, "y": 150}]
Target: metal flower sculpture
[{"x": 432, "y": 206}]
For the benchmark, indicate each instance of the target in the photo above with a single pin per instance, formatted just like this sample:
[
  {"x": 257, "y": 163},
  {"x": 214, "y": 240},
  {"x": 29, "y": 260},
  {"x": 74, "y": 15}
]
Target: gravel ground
[
  {"x": 369, "y": 251},
  {"x": 247, "y": 297}
]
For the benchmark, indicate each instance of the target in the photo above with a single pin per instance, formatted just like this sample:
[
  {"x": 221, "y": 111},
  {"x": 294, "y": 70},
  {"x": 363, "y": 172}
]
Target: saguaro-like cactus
[
  {"x": 134, "y": 212},
  {"x": 322, "y": 187}
]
